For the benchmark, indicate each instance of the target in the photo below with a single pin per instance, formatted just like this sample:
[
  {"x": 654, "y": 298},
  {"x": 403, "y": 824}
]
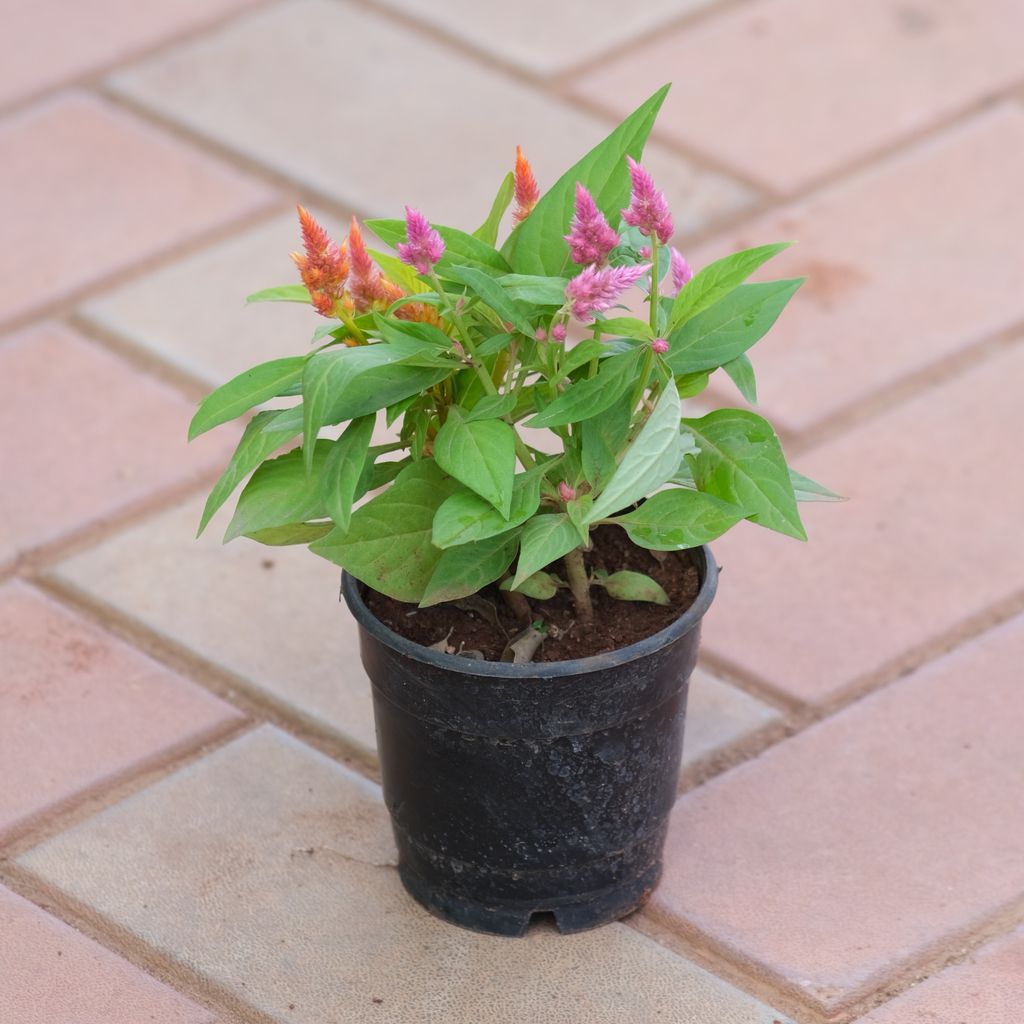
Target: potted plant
[{"x": 529, "y": 570}]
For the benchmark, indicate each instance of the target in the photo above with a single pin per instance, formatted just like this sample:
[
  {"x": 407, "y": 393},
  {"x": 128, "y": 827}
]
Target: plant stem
[
  {"x": 579, "y": 584},
  {"x": 467, "y": 342},
  {"x": 592, "y": 368},
  {"x": 655, "y": 254}
]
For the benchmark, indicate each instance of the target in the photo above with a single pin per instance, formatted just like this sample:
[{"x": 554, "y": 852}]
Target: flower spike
[
  {"x": 682, "y": 272},
  {"x": 648, "y": 209},
  {"x": 596, "y": 289},
  {"x": 527, "y": 193},
  {"x": 323, "y": 267},
  {"x": 423, "y": 246},
  {"x": 592, "y": 238}
]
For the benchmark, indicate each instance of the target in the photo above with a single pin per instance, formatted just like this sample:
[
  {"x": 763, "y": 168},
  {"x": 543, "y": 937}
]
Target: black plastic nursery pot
[{"x": 520, "y": 789}]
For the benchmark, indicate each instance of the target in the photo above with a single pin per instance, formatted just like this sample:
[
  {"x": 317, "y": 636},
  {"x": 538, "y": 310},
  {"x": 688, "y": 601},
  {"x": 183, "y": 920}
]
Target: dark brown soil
[{"x": 616, "y": 623}]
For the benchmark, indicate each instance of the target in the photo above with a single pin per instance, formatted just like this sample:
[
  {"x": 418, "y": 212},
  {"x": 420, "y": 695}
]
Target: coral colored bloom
[
  {"x": 367, "y": 285},
  {"x": 660, "y": 346},
  {"x": 527, "y": 193},
  {"x": 682, "y": 272},
  {"x": 566, "y": 492},
  {"x": 591, "y": 238},
  {"x": 323, "y": 267},
  {"x": 423, "y": 246},
  {"x": 596, "y": 289},
  {"x": 558, "y": 332},
  {"x": 648, "y": 209}
]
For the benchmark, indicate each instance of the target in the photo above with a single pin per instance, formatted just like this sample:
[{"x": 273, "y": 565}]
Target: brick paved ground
[{"x": 190, "y": 828}]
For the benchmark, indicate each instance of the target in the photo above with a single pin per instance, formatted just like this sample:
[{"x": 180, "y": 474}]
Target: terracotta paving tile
[
  {"x": 840, "y": 856},
  {"x": 832, "y": 84},
  {"x": 987, "y": 988},
  {"x": 542, "y": 37},
  {"x": 928, "y": 539},
  {"x": 79, "y": 708},
  {"x": 111, "y": 188},
  {"x": 54, "y": 975},
  {"x": 296, "y": 911},
  {"x": 374, "y": 157},
  {"x": 95, "y": 437},
  {"x": 269, "y": 615},
  {"x": 880, "y": 252},
  {"x": 192, "y": 313},
  {"x": 54, "y": 41}
]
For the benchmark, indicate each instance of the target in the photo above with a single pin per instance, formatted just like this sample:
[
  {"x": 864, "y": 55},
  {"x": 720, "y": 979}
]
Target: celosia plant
[{"x": 462, "y": 345}]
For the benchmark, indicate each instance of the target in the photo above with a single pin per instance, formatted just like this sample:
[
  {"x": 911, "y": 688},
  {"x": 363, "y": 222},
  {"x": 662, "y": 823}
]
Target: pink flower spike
[
  {"x": 645, "y": 252},
  {"x": 540, "y": 334},
  {"x": 558, "y": 333},
  {"x": 596, "y": 289},
  {"x": 565, "y": 492},
  {"x": 682, "y": 272},
  {"x": 659, "y": 346},
  {"x": 591, "y": 238},
  {"x": 648, "y": 208},
  {"x": 424, "y": 246}
]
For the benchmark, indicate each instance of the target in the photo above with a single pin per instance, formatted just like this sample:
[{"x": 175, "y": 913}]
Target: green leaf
[
  {"x": 741, "y": 461},
  {"x": 387, "y": 545},
  {"x": 481, "y": 454},
  {"x": 536, "y": 246},
  {"x": 726, "y": 330},
  {"x": 465, "y": 516},
  {"x": 652, "y": 457},
  {"x": 291, "y": 533},
  {"x": 717, "y": 279},
  {"x": 282, "y": 293},
  {"x": 241, "y": 393},
  {"x": 592, "y": 395},
  {"x": 807, "y": 489},
  {"x": 581, "y": 354},
  {"x": 345, "y": 383},
  {"x": 401, "y": 273},
  {"x": 541, "y": 586},
  {"x": 493, "y": 345},
  {"x": 469, "y": 568},
  {"x": 676, "y": 519},
  {"x": 690, "y": 384},
  {"x": 741, "y": 373},
  {"x": 258, "y": 442},
  {"x": 488, "y": 231},
  {"x": 539, "y": 291},
  {"x": 460, "y": 248},
  {"x": 492, "y": 407},
  {"x": 280, "y": 492},
  {"x": 602, "y": 439},
  {"x": 625, "y": 327},
  {"x": 486, "y": 288},
  {"x": 634, "y": 586},
  {"x": 343, "y": 469},
  {"x": 544, "y": 538},
  {"x": 578, "y": 511}
]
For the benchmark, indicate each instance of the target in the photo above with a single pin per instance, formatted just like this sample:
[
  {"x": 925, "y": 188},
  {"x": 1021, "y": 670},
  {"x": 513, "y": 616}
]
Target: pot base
[{"x": 512, "y": 917}]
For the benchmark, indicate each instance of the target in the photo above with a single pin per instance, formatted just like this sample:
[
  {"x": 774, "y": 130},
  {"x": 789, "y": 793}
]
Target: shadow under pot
[{"x": 517, "y": 789}]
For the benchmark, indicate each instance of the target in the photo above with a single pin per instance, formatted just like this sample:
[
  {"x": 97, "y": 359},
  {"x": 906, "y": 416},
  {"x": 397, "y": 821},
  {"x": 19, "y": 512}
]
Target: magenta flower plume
[
  {"x": 596, "y": 289},
  {"x": 682, "y": 272},
  {"x": 424, "y": 246},
  {"x": 592, "y": 237},
  {"x": 659, "y": 345},
  {"x": 558, "y": 333},
  {"x": 648, "y": 208}
]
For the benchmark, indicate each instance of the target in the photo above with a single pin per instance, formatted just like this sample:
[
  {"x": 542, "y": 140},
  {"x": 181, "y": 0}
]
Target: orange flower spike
[
  {"x": 365, "y": 285},
  {"x": 323, "y": 267},
  {"x": 527, "y": 193}
]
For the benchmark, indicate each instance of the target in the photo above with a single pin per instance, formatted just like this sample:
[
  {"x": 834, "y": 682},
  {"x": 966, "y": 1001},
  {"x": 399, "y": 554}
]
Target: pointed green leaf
[
  {"x": 717, "y": 279},
  {"x": 532, "y": 288},
  {"x": 465, "y": 516},
  {"x": 741, "y": 373},
  {"x": 625, "y": 327},
  {"x": 488, "y": 231},
  {"x": 544, "y": 538},
  {"x": 343, "y": 469},
  {"x": 292, "y": 533},
  {"x": 541, "y": 586},
  {"x": 728, "y": 328},
  {"x": 807, "y": 489},
  {"x": 280, "y": 492},
  {"x": 259, "y": 441},
  {"x": 492, "y": 407},
  {"x": 741, "y": 461},
  {"x": 602, "y": 439},
  {"x": 536, "y": 246},
  {"x": 676, "y": 519},
  {"x": 492, "y": 294},
  {"x": 634, "y": 586},
  {"x": 387, "y": 545},
  {"x": 282, "y": 293},
  {"x": 468, "y": 568},
  {"x": 481, "y": 454},
  {"x": 581, "y": 354},
  {"x": 652, "y": 457},
  {"x": 592, "y": 395},
  {"x": 241, "y": 393}
]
